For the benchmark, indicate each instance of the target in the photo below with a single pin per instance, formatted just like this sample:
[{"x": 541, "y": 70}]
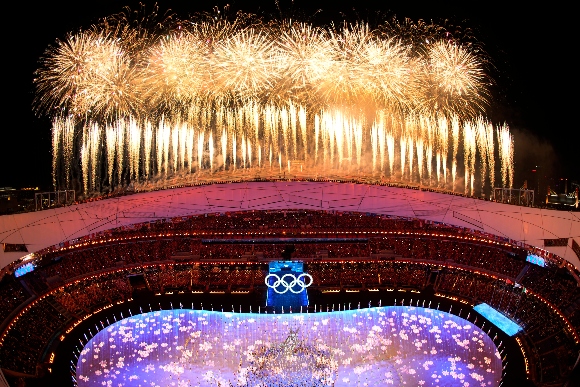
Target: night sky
[{"x": 530, "y": 48}]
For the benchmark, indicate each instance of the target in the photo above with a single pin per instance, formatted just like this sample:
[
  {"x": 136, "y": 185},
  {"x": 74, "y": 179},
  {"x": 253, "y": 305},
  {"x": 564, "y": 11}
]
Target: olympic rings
[{"x": 289, "y": 285}]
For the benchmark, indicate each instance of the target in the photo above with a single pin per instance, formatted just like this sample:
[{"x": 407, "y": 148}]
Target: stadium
[
  {"x": 249, "y": 202},
  {"x": 208, "y": 248}
]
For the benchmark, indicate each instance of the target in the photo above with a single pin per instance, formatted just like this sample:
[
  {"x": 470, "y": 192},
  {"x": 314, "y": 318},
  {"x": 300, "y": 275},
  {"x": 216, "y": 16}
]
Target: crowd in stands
[
  {"x": 80, "y": 262},
  {"x": 368, "y": 274},
  {"x": 81, "y": 297},
  {"x": 166, "y": 277},
  {"x": 555, "y": 284},
  {"x": 12, "y": 294},
  {"x": 94, "y": 258},
  {"x": 29, "y": 335},
  {"x": 449, "y": 250}
]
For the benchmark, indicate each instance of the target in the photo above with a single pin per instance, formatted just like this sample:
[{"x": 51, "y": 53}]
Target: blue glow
[
  {"x": 499, "y": 320},
  {"x": 395, "y": 345},
  {"x": 26, "y": 268},
  {"x": 536, "y": 260},
  {"x": 293, "y": 298}
]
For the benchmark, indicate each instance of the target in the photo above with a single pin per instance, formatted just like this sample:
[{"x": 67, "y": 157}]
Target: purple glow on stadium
[{"x": 393, "y": 345}]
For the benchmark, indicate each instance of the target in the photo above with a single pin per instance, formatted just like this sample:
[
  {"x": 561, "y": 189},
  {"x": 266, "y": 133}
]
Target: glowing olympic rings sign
[{"x": 289, "y": 282}]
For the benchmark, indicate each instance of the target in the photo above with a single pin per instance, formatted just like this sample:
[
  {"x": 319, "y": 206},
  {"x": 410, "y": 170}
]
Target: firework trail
[
  {"x": 506, "y": 155},
  {"x": 111, "y": 145},
  {"x": 455, "y": 130},
  {"x": 470, "y": 149},
  {"x": 481, "y": 140},
  {"x": 443, "y": 134}
]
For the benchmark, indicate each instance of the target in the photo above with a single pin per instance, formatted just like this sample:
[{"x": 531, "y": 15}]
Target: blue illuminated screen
[
  {"x": 26, "y": 268},
  {"x": 536, "y": 260},
  {"x": 499, "y": 320}
]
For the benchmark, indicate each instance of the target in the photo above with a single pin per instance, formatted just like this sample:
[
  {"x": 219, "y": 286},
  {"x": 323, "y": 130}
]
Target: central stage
[{"x": 395, "y": 345}]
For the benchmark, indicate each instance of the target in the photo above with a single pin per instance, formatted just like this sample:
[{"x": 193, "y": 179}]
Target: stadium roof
[{"x": 532, "y": 226}]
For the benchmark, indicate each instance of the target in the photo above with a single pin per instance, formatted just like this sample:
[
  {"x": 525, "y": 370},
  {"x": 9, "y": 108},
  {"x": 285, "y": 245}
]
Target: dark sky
[{"x": 531, "y": 50}]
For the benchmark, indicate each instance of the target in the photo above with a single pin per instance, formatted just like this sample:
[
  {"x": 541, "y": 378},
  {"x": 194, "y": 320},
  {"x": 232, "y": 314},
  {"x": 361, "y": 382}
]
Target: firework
[
  {"x": 211, "y": 95},
  {"x": 506, "y": 155}
]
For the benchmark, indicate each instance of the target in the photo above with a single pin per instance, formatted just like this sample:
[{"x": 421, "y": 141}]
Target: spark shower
[{"x": 135, "y": 102}]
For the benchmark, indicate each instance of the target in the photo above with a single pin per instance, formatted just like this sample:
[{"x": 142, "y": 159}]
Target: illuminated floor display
[{"x": 393, "y": 345}]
